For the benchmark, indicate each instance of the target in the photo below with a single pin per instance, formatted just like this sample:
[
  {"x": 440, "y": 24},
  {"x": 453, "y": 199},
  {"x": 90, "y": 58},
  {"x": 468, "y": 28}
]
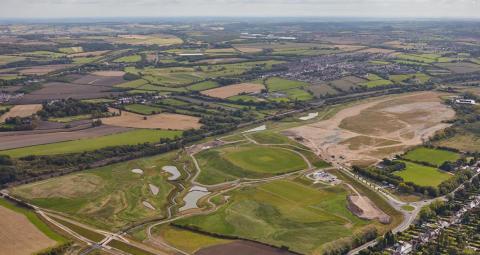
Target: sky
[{"x": 240, "y": 8}]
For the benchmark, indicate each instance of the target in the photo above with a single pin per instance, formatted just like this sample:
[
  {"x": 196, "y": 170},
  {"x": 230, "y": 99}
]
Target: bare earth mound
[
  {"x": 19, "y": 236},
  {"x": 377, "y": 129},
  {"x": 21, "y": 111},
  {"x": 233, "y": 90},
  {"x": 364, "y": 208},
  {"x": 158, "y": 121}
]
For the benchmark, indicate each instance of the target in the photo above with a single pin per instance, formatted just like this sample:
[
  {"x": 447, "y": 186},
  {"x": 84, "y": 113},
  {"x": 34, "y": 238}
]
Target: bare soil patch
[
  {"x": 109, "y": 73},
  {"x": 21, "y": 111},
  {"x": 60, "y": 90},
  {"x": 242, "y": 248},
  {"x": 233, "y": 90},
  {"x": 364, "y": 208},
  {"x": 377, "y": 129},
  {"x": 19, "y": 236},
  {"x": 219, "y": 60},
  {"x": 109, "y": 81},
  {"x": 158, "y": 121}
]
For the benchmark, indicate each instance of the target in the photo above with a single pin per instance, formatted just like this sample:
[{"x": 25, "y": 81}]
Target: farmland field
[
  {"x": 460, "y": 67},
  {"x": 420, "y": 78},
  {"x": 435, "y": 157},
  {"x": 23, "y": 232},
  {"x": 233, "y": 90},
  {"x": 157, "y": 121},
  {"x": 203, "y": 86},
  {"x": 128, "y": 59},
  {"x": 109, "y": 197},
  {"x": 283, "y": 213},
  {"x": 423, "y": 175},
  {"x": 21, "y": 111},
  {"x": 176, "y": 236},
  {"x": 246, "y": 161},
  {"x": 143, "y": 109},
  {"x": 277, "y": 84},
  {"x": 181, "y": 76},
  {"x": 126, "y": 138}
]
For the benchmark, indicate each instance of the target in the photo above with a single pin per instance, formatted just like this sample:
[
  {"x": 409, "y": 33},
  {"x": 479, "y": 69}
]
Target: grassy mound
[{"x": 246, "y": 161}]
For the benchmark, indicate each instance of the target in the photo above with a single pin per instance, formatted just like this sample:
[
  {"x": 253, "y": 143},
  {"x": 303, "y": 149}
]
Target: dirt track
[
  {"x": 158, "y": 121},
  {"x": 21, "y": 111},
  {"x": 374, "y": 130},
  {"x": 19, "y": 236}
]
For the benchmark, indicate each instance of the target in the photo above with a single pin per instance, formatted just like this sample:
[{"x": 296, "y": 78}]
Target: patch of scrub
[
  {"x": 261, "y": 128},
  {"x": 309, "y": 116},
  {"x": 137, "y": 171},
  {"x": 195, "y": 193},
  {"x": 154, "y": 189},
  {"x": 175, "y": 174},
  {"x": 148, "y": 205}
]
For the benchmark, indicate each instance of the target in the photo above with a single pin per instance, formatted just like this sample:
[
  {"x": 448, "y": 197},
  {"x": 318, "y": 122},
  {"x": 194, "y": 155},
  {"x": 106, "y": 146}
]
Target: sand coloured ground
[
  {"x": 373, "y": 130},
  {"x": 233, "y": 90},
  {"x": 19, "y": 236},
  {"x": 158, "y": 121},
  {"x": 109, "y": 73},
  {"x": 21, "y": 111}
]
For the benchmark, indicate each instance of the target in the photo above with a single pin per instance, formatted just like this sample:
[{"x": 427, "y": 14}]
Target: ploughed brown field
[
  {"x": 12, "y": 140},
  {"x": 233, "y": 90},
  {"x": 61, "y": 90},
  {"x": 370, "y": 131},
  {"x": 242, "y": 248},
  {"x": 158, "y": 121},
  {"x": 19, "y": 236}
]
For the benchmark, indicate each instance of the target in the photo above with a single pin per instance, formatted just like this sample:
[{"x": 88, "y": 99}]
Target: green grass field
[
  {"x": 71, "y": 118},
  {"x": 283, "y": 213},
  {"x": 108, "y": 197},
  {"x": 246, "y": 161},
  {"x": 421, "y": 78},
  {"x": 132, "y": 84},
  {"x": 143, "y": 109},
  {"x": 181, "y": 76},
  {"x": 128, "y": 59},
  {"x": 422, "y": 175},
  {"x": 278, "y": 84},
  {"x": 87, "y": 233},
  {"x": 298, "y": 94},
  {"x": 126, "y": 138},
  {"x": 5, "y": 59},
  {"x": 129, "y": 249},
  {"x": 435, "y": 157},
  {"x": 203, "y": 86},
  {"x": 35, "y": 220},
  {"x": 177, "y": 236}
]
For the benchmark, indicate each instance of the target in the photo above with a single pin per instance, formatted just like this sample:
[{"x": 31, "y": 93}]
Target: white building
[{"x": 465, "y": 101}]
